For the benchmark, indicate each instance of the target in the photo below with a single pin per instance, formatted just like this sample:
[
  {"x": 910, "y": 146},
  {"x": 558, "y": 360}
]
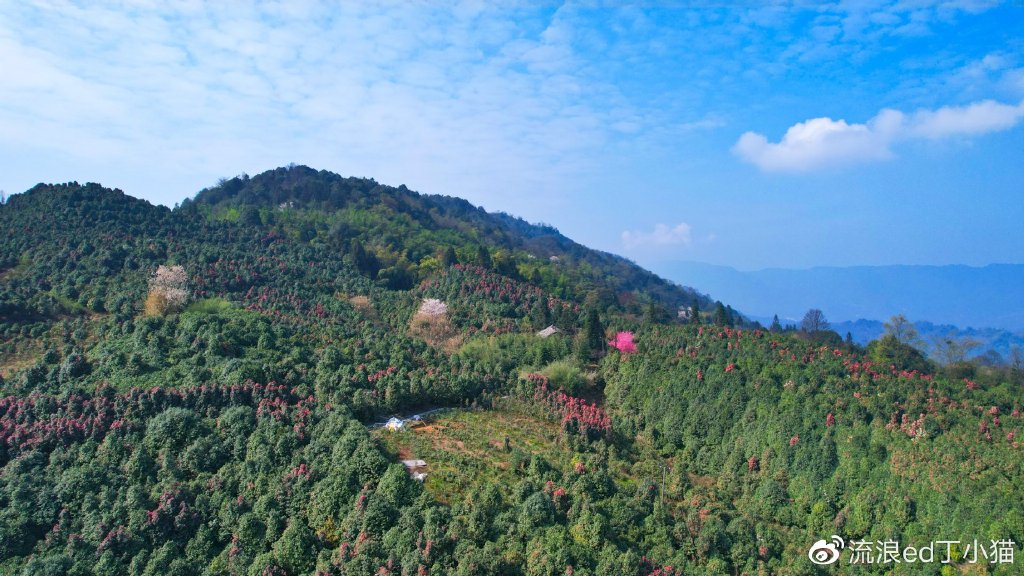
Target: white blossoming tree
[
  {"x": 433, "y": 307},
  {"x": 431, "y": 324},
  {"x": 168, "y": 291}
]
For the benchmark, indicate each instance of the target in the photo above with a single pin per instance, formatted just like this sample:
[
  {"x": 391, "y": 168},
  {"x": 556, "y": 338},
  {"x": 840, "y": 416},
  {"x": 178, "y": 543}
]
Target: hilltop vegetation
[
  {"x": 228, "y": 433},
  {"x": 399, "y": 237}
]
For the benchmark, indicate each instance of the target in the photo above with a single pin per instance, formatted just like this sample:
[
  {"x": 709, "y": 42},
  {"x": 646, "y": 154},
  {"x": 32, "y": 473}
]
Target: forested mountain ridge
[
  {"x": 407, "y": 227},
  {"x": 194, "y": 391}
]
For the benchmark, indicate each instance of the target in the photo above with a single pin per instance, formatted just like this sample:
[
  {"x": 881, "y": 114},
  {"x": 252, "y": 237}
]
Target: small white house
[
  {"x": 394, "y": 424},
  {"x": 548, "y": 331}
]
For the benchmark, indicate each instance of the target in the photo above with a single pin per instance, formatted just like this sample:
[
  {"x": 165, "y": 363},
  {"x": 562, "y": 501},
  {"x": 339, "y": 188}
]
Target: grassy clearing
[
  {"x": 466, "y": 447},
  {"x": 210, "y": 306},
  {"x": 11, "y": 364}
]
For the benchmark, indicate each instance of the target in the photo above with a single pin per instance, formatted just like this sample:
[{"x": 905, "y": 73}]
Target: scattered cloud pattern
[{"x": 460, "y": 100}]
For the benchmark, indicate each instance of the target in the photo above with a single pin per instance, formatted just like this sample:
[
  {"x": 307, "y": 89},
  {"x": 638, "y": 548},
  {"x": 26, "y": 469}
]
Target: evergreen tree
[
  {"x": 653, "y": 314},
  {"x": 359, "y": 256},
  {"x": 449, "y": 257},
  {"x": 590, "y": 341},
  {"x": 887, "y": 350},
  {"x": 483, "y": 257},
  {"x": 540, "y": 316},
  {"x": 721, "y": 315},
  {"x": 250, "y": 216},
  {"x": 776, "y": 325},
  {"x": 594, "y": 330},
  {"x": 535, "y": 277}
]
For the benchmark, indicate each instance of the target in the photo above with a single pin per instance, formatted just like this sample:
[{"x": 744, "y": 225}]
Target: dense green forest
[{"x": 199, "y": 391}]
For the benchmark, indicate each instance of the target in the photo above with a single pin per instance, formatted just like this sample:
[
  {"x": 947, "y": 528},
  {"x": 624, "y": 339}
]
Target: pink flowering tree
[{"x": 623, "y": 342}]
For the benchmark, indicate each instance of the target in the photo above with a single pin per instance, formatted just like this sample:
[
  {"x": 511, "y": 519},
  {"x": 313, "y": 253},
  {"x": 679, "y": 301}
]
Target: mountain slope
[
  {"x": 405, "y": 229},
  {"x": 199, "y": 391}
]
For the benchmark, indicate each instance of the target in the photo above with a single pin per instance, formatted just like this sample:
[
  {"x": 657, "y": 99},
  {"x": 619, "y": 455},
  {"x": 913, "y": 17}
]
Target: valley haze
[{"x": 964, "y": 296}]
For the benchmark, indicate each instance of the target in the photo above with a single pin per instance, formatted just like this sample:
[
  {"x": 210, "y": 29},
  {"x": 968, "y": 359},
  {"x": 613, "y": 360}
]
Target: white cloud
[
  {"x": 824, "y": 142},
  {"x": 817, "y": 142},
  {"x": 978, "y": 118},
  {"x": 661, "y": 236}
]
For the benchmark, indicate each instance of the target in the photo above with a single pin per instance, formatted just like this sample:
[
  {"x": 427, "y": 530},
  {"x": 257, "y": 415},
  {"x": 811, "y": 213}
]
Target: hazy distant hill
[
  {"x": 963, "y": 296},
  {"x": 1001, "y": 341}
]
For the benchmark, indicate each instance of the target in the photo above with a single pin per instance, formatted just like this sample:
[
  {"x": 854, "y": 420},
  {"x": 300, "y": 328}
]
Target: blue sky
[{"x": 742, "y": 133}]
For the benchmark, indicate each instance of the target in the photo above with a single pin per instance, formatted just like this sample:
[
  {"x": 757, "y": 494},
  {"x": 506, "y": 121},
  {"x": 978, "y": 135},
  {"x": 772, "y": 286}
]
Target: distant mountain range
[
  {"x": 988, "y": 339},
  {"x": 963, "y": 296}
]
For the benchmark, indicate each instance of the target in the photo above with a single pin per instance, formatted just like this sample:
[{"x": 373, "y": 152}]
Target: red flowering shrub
[{"x": 577, "y": 414}]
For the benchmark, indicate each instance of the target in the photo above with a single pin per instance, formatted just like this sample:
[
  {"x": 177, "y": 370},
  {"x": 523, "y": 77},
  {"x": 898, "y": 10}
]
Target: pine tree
[
  {"x": 535, "y": 278},
  {"x": 483, "y": 256},
  {"x": 721, "y": 316},
  {"x": 540, "y": 316},
  {"x": 358, "y": 254},
  {"x": 590, "y": 341},
  {"x": 776, "y": 325},
  {"x": 594, "y": 331},
  {"x": 449, "y": 257}
]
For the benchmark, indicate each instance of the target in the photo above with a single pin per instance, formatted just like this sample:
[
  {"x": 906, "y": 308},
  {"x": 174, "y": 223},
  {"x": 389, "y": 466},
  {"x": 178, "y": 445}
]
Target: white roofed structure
[{"x": 548, "y": 331}]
